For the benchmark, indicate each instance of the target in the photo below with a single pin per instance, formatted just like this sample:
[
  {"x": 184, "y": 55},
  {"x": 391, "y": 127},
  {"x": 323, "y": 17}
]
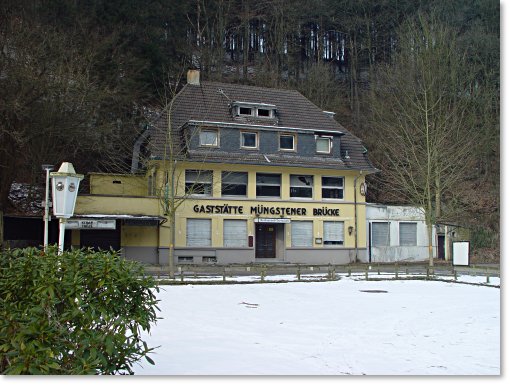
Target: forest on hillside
[{"x": 78, "y": 79}]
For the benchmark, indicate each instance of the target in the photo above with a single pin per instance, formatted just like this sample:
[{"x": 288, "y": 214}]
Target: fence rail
[{"x": 232, "y": 273}]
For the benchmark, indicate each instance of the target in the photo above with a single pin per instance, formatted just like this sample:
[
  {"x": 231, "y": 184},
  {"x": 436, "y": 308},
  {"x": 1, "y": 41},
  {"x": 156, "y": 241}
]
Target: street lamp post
[
  {"x": 65, "y": 183},
  {"x": 47, "y": 168}
]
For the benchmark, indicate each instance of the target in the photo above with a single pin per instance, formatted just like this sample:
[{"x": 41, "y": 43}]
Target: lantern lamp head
[{"x": 65, "y": 183}]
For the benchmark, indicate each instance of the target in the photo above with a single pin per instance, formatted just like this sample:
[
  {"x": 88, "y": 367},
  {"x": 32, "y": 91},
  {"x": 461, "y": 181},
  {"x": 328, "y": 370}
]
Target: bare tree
[
  {"x": 421, "y": 110},
  {"x": 173, "y": 189}
]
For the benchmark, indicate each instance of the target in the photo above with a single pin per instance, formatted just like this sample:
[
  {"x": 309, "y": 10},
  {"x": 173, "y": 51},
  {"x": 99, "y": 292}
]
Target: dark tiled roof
[{"x": 211, "y": 101}]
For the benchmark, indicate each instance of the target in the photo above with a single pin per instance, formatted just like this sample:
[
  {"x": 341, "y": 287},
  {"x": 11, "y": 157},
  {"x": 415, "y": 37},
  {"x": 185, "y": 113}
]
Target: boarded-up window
[
  {"x": 407, "y": 234},
  {"x": 302, "y": 233},
  {"x": 198, "y": 232},
  {"x": 380, "y": 234},
  {"x": 333, "y": 233},
  {"x": 234, "y": 233}
]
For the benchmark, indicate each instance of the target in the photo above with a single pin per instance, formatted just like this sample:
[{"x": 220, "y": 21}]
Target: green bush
[{"x": 81, "y": 312}]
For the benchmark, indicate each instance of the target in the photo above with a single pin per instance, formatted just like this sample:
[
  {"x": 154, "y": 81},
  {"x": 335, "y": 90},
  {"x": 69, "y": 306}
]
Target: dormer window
[
  {"x": 323, "y": 144},
  {"x": 249, "y": 140},
  {"x": 264, "y": 112},
  {"x": 258, "y": 110},
  {"x": 287, "y": 142},
  {"x": 209, "y": 138},
  {"x": 245, "y": 111}
]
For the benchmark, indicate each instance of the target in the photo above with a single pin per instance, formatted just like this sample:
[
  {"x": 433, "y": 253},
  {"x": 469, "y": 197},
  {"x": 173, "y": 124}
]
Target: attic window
[
  {"x": 323, "y": 144},
  {"x": 264, "y": 112},
  {"x": 244, "y": 111},
  {"x": 260, "y": 110}
]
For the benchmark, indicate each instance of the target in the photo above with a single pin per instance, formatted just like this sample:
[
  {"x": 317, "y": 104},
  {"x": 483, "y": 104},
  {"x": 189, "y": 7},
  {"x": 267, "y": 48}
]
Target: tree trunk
[
  {"x": 171, "y": 248},
  {"x": 1, "y": 229},
  {"x": 431, "y": 250}
]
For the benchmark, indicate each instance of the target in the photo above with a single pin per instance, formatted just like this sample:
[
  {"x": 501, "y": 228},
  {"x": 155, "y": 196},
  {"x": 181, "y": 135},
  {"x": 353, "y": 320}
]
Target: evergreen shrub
[{"x": 81, "y": 312}]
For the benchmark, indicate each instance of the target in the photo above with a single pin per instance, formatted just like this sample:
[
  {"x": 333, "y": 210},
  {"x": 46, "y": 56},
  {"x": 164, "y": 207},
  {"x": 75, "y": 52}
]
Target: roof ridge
[{"x": 211, "y": 82}]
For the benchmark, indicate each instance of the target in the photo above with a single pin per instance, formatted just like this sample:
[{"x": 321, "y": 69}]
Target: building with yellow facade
[{"x": 247, "y": 174}]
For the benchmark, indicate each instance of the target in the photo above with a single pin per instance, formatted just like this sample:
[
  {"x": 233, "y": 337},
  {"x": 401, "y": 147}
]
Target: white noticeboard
[{"x": 461, "y": 253}]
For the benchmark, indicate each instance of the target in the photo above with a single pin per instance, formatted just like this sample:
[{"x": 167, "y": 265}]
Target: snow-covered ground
[{"x": 350, "y": 326}]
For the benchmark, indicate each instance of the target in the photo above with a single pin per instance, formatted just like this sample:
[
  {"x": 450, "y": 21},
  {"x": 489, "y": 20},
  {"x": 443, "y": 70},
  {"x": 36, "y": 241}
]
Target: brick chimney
[{"x": 193, "y": 77}]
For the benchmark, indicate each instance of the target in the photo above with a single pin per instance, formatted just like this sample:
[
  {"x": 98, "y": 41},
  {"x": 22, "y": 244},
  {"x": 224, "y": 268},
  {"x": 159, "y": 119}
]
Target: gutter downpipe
[{"x": 356, "y": 216}]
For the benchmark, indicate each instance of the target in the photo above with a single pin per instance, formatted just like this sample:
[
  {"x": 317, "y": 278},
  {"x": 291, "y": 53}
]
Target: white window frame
[
  {"x": 323, "y": 186},
  {"x": 297, "y": 229},
  {"x": 200, "y": 178},
  {"x": 198, "y": 232},
  {"x": 294, "y": 139},
  {"x": 322, "y": 137},
  {"x": 208, "y": 130},
  {"x": 293, "y": 184},
  {"x": 270, "y": 116},
  {"x": 256, "y": 140},
  {"x": 375, "y": 242},
  {"x": 240, "y": 236},
  {"x": 400, "y": 237},
  {"x": 338, "y": 237},
  {"x": 244, "y": 107}
]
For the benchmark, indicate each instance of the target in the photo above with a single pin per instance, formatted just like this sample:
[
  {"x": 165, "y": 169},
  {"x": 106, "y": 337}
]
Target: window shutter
[
  {"x": 333, "y": 233},
  {"x": 198, "y": 232},
  {"x": 302, "y": 233},
  {"x": 380, "y": 234},
  {"x": 407, "y": 234},
  {"x": 234, "y": 233}
]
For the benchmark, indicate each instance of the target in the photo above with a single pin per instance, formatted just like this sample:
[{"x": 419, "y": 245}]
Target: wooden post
[
  {"x": 224, "y": 273},
  {"x": 454, "y": 274},
  {"x": 299, "y": 273},
  {"x": 349, "y": 272},
  {"x": 396, "y": 270}
]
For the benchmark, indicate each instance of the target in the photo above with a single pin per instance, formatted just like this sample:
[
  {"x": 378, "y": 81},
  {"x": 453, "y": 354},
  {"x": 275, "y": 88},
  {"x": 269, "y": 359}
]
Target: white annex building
[{"x": 397, "y": 233}]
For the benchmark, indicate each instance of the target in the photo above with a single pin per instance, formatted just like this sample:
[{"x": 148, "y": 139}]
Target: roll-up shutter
[
  {"x": 198, "y": 232},
  {"x": 380, "y": 234},
  {"x": 333, "y": 233},
  {"x": 234, "y": 233},
  {"x": 407, "y": 234},
  {"x": 302, "y": 233}
]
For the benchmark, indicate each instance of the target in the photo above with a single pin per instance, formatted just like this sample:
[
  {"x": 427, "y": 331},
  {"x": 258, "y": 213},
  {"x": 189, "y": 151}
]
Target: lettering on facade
[
  {"x": 265, "y": 210},
  {"x": 218, "y": 209},
  {"x": 326, "y": 212}
]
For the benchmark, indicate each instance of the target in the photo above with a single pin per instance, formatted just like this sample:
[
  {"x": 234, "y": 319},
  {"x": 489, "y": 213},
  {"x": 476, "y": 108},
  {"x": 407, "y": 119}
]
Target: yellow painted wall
[
  {"x": 126, "y": 203},
  {"x": 118, "y": 184},
  {"x": 346, "y": 206},
  {"x": 115, "y": 205}
]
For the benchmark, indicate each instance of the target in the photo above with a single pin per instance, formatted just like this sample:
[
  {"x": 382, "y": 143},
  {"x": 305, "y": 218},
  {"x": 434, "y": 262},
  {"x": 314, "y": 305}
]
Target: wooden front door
[
  {"x": 440, "y": 247},
  {"x": 265, "y": 241}
]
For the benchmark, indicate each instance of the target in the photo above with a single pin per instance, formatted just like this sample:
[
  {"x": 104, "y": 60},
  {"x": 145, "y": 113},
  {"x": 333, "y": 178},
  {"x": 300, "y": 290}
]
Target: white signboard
[
  {"x": 461, "y": 253},
  {"x": 91, "y": 224},
  {"x": 272, "y": 220}
]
